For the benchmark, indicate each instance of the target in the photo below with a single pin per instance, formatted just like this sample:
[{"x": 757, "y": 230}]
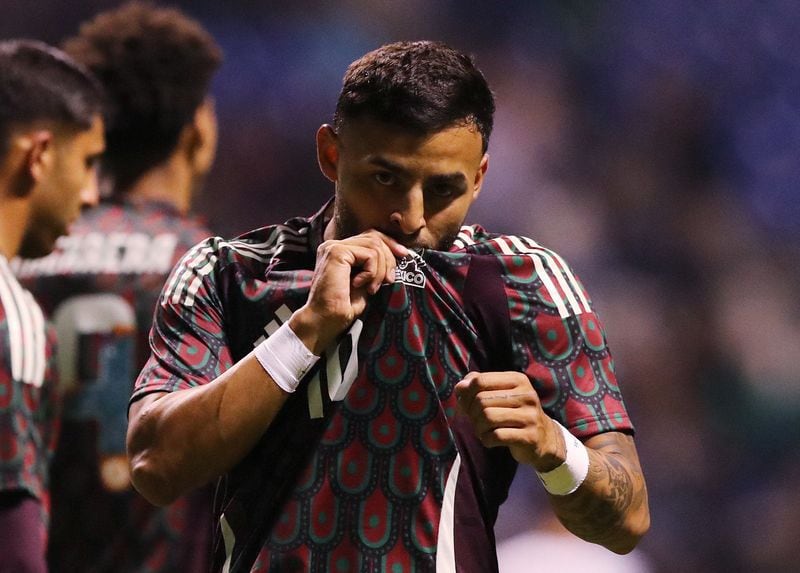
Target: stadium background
[{"x": 652, "y": 143}]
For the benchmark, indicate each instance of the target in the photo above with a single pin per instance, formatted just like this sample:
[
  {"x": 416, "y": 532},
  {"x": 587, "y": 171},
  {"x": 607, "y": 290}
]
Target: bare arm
[
  {"x": 180, "y": 440},
  {"x": 610, "y": 507}
]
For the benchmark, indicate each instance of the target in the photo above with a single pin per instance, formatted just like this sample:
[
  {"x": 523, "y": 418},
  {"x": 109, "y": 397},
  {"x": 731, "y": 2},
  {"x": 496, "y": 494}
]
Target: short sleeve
[
  {"x": 560, "y": 343},
  {"x": 29, "y": 405},
  {"x": 187, "y": 341}
]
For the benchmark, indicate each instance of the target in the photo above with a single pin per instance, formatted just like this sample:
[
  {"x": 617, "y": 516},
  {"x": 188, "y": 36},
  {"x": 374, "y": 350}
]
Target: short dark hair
[
  {"x": 41, "y": 83},
  {"x": 420, "y": 86},
  {"x": 156, "y": 65}
]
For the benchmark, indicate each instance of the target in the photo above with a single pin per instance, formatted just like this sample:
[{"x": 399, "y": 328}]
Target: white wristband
[
  {"x": 567, "y": 477},
  {"x": 285, "y": 358}
]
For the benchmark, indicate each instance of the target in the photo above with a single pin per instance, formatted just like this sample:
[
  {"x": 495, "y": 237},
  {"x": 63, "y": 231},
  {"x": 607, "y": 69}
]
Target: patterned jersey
[
  {"x": 368, "y": 467},
  {"x": 28, "y": 394},
  {"x": 100, "y": 287}
]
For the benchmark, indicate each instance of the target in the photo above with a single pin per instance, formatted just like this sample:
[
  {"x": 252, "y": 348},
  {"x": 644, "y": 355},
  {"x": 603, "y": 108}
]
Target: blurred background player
[
  {"x": 101, "y": 285},
  {"x": 51, "y": 134}
]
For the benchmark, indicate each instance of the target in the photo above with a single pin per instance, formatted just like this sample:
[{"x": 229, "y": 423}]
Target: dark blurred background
[{"x": 654, "y": 144}]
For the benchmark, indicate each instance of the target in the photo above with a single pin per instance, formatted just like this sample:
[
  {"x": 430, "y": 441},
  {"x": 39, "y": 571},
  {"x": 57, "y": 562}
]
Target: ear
[
  {"x": 478, "y": 184},
  {"x": 39, "y": 153},
  {"x": 199, "y": 138},
  {"x": 328, "y": 152},
  {"x": 29, "y": 159}
]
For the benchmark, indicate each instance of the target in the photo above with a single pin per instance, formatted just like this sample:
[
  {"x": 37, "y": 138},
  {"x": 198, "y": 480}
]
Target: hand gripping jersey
[
  {"x": 368, "y": 466},
  {"x": 99, "y": 287},
  {"x": 28, "y": 397}
]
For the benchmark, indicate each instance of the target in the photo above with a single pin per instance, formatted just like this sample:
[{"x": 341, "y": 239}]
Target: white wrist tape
[
  {"x": 567, "y": 477},
  {"x": 285, "y": 358}
]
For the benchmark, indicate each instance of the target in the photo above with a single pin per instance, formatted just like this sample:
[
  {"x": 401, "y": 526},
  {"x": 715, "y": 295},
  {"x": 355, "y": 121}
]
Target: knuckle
[
  {"x": 326, "y": 247},
  {"x": 532, "y": 399},
  {"x": 375, "y": 243},
  {"x": 493, "y": 437}
]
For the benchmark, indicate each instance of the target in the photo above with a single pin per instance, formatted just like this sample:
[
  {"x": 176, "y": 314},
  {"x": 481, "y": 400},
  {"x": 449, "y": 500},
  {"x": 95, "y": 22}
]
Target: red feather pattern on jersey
[{"x": 370, "y": 497}]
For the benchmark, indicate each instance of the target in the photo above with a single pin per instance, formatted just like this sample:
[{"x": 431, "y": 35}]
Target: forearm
[
  {"x": 184, "y": 439},
  {"x": 610, "y": 507}
]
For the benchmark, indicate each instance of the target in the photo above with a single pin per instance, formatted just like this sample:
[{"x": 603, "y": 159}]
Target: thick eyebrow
[
  {"x": 387, "y": 164},
  {"x": 456, "y": 178}
]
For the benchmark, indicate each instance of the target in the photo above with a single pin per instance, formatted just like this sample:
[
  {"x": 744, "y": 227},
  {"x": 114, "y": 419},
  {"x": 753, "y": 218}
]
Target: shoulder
[
  {"x": 247, "y": 256},
  {"x": 258, "y": 248},
  {"x": 22, "y": 330},
  {"x": 267, "y": 242},
  {"x": 475, "y": 239},
  {"x": 515, "y": 251},
  {"x": 16, "y": 302},
  {"x": 528, "y": 267}
]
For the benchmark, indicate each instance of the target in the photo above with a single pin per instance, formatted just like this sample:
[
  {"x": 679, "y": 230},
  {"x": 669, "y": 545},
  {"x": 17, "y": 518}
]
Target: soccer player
[
  {"x": 102, "y": 284},
  {"x": 51, "y": 134},
  {"x": 366, "y": 380}
]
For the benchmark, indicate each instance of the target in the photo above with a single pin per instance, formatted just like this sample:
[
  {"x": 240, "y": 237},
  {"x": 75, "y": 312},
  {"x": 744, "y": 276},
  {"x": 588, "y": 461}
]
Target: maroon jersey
[
  {"x": 28, "y": 395},
  {"x": 100, "y": 287},
  {"x": 367, "y": 467}
]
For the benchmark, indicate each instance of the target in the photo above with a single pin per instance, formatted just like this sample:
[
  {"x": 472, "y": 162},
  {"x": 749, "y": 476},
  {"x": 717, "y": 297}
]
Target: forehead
[{"x": 367, "y": 139}]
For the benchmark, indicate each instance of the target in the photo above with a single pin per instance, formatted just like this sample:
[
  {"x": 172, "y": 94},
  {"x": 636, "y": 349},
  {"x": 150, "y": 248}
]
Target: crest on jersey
[{"x": 409, "y": 271}]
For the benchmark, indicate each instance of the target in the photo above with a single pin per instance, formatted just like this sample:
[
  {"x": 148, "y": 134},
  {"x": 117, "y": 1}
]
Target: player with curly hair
[{"x": 155, "y": 65}]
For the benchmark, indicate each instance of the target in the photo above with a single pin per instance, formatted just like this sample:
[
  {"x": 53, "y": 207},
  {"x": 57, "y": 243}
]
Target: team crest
[{"x": 409, "y": 271}]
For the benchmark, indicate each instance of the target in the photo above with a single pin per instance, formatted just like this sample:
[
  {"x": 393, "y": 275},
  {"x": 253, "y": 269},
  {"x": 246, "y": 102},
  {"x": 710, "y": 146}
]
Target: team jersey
[
  {"x": 28, "y": 394},
  {"x": 368, "y": 466},
  {"x": 100, "y": 287}
]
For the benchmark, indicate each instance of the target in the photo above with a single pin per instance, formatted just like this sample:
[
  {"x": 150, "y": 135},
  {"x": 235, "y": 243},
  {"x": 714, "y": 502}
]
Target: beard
[
  {"x": 345, "y": 224},
  {"x": 34, "y": 246},
  {"x": 40, "y": 238}
]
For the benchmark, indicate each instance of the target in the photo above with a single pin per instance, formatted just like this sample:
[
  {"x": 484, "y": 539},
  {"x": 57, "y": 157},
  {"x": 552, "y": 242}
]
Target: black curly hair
[{"x": 155, "y": 65}]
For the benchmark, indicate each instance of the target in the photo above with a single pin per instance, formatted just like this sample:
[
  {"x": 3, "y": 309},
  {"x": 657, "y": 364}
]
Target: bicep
[{"x": 139, "y": 405}]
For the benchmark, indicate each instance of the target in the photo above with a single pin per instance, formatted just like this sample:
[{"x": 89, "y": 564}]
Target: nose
[
  {"x": 409, "y": 217},
  {"x": 90, "y": 194}
]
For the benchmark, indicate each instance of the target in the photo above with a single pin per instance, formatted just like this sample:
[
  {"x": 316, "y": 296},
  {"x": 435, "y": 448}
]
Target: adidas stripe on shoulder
[
  {"x": 199, "y": 261},
  {"x": 555, "y": 274},
  {"x": 561, "y": 284},
  {"x": 26, "y": 330}
]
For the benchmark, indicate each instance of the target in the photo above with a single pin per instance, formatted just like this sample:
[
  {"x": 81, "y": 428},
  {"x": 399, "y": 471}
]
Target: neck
[
  {"x": 169, "y": 183},
  {"x": 14, "y": 215}
]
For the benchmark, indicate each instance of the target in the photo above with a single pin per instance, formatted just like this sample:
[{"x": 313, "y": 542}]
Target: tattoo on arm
[{"x": 613, "y": 488}]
